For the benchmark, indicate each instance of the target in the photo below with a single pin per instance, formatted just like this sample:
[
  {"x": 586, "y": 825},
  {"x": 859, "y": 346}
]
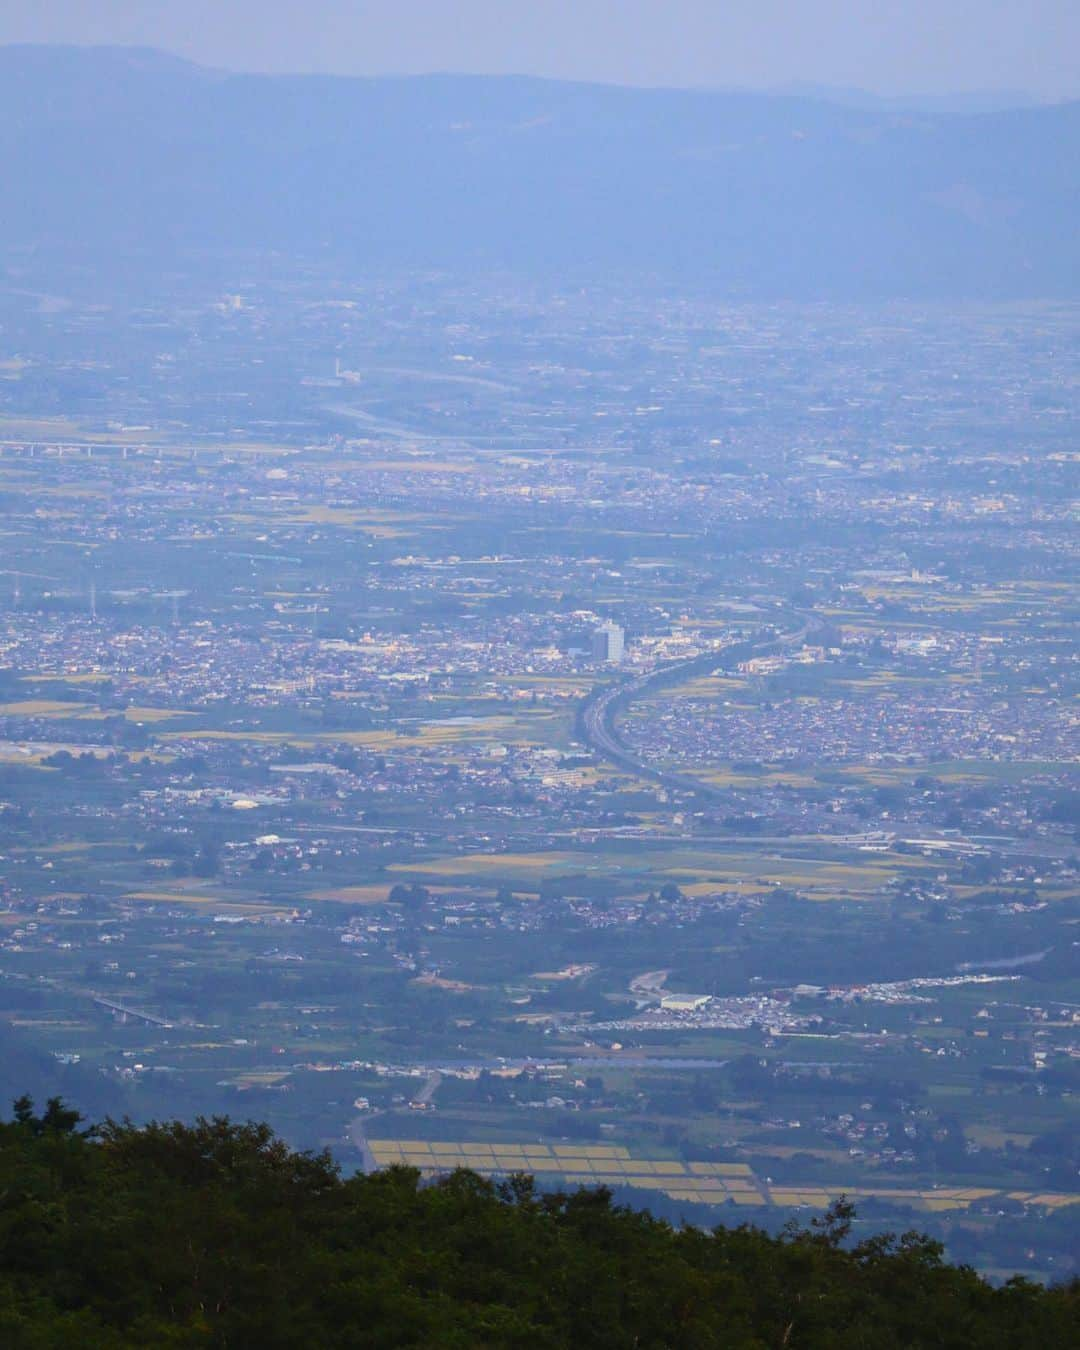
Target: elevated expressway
[{"x": 598, "y": 712}]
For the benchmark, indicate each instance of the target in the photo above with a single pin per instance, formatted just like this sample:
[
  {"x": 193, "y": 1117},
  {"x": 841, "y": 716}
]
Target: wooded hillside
[{"x": 217, "y": 1234}]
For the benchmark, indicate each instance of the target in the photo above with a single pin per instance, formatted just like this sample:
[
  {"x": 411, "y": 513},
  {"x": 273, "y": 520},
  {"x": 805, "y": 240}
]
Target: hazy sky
[{"x": 889, "y": 46}]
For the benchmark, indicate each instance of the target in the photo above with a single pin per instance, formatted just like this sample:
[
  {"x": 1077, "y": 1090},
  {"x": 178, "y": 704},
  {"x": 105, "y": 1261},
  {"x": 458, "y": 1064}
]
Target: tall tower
[{"x": 608, "y": 643}]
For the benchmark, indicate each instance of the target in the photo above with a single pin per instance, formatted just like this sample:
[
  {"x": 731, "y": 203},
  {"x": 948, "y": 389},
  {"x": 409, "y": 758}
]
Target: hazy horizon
[
  {"x": 950, "y": 48},
  {"x": 995, "y": 99}
]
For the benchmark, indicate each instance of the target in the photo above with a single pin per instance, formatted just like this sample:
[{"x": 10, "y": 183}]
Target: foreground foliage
[{"x": 217, "y": 1234}]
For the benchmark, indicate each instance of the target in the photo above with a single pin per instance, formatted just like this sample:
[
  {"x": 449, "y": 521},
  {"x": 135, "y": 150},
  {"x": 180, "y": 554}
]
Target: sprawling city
[{"x": 595, "y": 731}]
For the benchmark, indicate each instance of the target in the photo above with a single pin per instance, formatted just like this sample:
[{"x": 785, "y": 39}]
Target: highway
[
  {"x": 427, "y": 1093},
  {"x": 122, "y": 1008},
  {"x": 597, "y": 713}
]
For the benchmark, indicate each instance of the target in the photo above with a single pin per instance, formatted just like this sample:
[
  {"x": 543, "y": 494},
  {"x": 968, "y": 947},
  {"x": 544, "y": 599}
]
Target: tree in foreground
[{"x": 218, "y": 1234}]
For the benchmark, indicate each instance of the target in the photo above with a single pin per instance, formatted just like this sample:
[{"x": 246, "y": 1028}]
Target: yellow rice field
[{"x": 694, "y": 1182}]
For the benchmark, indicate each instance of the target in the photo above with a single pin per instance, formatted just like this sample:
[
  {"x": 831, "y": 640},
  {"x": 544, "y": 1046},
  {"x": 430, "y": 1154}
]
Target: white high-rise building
[{"x": 608, "y": 643}]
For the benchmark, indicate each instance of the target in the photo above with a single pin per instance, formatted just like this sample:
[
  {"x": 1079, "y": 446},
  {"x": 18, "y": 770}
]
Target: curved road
[{"x": 596, "y": 715}]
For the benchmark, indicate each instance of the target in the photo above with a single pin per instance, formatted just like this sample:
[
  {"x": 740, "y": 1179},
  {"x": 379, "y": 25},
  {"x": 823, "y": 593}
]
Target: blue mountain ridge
[{"x": 121, "y": 152}]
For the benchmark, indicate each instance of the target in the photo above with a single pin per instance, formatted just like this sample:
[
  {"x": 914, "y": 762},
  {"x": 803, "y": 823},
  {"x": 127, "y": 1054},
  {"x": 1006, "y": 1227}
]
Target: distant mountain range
[
  {"x": 977, "y": 101},
  {"x": 120, "y": 153}
]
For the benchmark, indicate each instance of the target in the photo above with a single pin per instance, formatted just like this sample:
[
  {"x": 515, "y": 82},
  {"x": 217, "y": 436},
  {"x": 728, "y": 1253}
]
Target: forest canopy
[{"x": 218, "y": 1234}]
